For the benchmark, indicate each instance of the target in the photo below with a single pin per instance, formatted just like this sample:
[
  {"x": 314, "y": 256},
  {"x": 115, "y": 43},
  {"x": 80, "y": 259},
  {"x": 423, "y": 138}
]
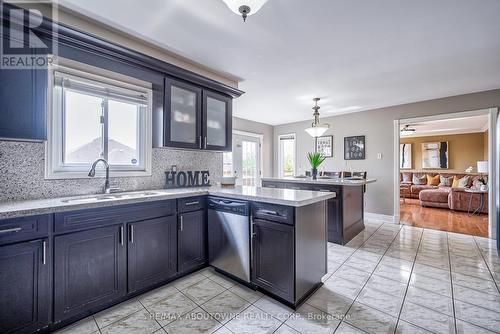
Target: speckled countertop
[
  {"x": 308, "y": 180},
  {"x": 288, "y": 197}
]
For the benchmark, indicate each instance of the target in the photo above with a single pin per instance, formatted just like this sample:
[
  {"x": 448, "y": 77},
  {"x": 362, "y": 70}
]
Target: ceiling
[
  {"x": 449, "y": 126},
  {"x": 354, "y": 54}
]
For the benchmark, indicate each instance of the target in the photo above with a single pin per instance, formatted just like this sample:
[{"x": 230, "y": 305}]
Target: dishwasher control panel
[{"x": 228, "y": 205}]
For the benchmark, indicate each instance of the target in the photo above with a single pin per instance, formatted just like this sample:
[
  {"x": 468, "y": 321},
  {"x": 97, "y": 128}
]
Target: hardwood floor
[{"x": 442, "y": 219}]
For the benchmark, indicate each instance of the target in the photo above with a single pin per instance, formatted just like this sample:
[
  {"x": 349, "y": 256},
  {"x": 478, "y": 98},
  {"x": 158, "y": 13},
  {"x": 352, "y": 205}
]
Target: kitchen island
[
  {"x": 345, "y": 210},
  {"x": 87, "y": 253}
]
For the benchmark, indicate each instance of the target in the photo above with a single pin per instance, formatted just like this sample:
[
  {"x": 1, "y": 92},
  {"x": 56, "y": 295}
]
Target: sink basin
[
  {"x": 89, "y": 199},
  {"x": 109, "y": 197}
]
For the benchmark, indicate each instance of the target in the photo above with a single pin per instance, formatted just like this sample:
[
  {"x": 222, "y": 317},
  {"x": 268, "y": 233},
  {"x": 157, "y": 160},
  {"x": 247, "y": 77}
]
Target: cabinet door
[
  {"x": 273, "y": 258},
  {"x": 217, "y": 121},
  {"x": 192, "y": 235},
  {"x": 24, "y": 287},
  {"x": 23, "y": 95},
  {"x": 152, "y": 252},
  {"x": 182, "y": 115},
  {"x": 89, "y": 270},
  {"x": 335, "y": 225}
]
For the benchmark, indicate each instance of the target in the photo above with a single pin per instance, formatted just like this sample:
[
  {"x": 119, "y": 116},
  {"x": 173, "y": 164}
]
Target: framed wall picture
[
  {"x": 435, "y": 155},
  {"x": 354, "y": 148},
  {"x": 324, "y": 145},
  {"x": 405, "y": 156}
]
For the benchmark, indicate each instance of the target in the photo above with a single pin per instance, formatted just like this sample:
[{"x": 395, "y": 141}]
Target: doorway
[
  {"x": 433, "y": 154},
  {"x": 244, "y": 162}
]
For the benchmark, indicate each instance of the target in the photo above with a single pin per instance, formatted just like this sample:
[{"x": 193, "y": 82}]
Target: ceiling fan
[{"x": 407, "y": 130}]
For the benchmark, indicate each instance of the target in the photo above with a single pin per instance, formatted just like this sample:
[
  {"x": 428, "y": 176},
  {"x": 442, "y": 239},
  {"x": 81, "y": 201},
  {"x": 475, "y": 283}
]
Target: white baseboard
[{"x": 384, "y": 218}]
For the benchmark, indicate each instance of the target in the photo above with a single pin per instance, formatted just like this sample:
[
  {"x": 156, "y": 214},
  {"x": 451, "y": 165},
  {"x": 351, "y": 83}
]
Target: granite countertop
[
  {"x": 288, "y": 197},
  {"x": 309, "y": 180}
]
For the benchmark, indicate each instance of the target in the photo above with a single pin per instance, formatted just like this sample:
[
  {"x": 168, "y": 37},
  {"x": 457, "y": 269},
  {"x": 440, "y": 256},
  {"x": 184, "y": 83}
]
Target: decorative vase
[
  {"x": 314, "y": 173},
  {"x": 484, "y": 187}
]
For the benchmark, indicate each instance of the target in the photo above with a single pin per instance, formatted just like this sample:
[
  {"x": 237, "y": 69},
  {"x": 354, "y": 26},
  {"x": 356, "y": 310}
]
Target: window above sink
[{"x": 96, "y": 114}]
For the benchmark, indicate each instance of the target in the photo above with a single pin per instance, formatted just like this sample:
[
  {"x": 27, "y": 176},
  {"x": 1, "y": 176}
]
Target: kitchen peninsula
[
  {"x": 75, "y": 256},
  {"x": 346, "y": 208}
]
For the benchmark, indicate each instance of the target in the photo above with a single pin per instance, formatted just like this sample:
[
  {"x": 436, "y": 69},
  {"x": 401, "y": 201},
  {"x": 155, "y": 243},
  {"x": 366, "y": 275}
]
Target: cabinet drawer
[
  {"x": 24, "y": 228},
  {"x": 297, "y": 186},
  {"x": 273, "y": 212},
  {"x": 89, "y": 218},
  {"x": 191, "y": 204},
  {"x": 270, "y": 184},
  {"x": 326, "y": 188}
]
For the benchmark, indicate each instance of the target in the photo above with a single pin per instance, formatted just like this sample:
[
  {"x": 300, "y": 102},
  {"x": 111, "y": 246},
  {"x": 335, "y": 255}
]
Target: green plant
[
  {"x": 315, "y": 159},
  {"x": 482, "y": 180}
]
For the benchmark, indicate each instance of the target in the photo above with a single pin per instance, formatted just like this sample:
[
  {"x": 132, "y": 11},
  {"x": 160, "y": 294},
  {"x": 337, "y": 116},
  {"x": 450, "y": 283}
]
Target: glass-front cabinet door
[
  {"x": 217, "y": 114},
  {"x": 182, "y": 115}
]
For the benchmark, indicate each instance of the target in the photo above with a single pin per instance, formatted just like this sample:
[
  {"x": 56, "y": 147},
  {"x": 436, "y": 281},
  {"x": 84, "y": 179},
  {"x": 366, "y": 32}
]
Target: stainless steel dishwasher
[{"x": 229, "y": 236}]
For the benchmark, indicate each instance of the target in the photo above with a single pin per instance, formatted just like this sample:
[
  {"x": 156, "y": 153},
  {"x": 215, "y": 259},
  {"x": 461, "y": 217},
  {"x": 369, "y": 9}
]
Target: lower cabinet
[
  {"x": 89, "y": 270},
  {"x": 273, "y": 258},
  {"x": 191, "y": 240},
  {"x": 24, "y": 287},
  {"x": 152, "y": 252}
]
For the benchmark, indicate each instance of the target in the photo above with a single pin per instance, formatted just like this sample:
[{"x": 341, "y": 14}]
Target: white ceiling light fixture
[
  {"x": 407, "y": 131},
  {"x": 245, "y": 7},
  {"x": 317, "y": 129}
]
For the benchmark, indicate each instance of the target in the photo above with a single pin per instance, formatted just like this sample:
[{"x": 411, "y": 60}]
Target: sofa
[{"x": 440, "y": 196}]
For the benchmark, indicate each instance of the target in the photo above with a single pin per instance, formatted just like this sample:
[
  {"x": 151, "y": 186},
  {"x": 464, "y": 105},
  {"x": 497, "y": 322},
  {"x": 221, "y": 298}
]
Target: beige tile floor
[{"x": 388, "y": 279}]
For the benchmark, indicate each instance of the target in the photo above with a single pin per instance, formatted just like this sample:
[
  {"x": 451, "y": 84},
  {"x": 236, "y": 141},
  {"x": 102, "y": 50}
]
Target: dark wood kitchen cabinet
[
  {"x": 288, "y": 249},
  {"x": 196, "y": 118},
  {"x": 183, "y": 116},
  {"x": 24, "y": 287},
  {"x": 273, "y": 257},
  {"x": 90, "y": 270},
  {"x": 23, "y": 96},
  {"x": 192, "y": 240},
  {"x": 217, "y": 121},
  {"x": 152, "y": 252}
]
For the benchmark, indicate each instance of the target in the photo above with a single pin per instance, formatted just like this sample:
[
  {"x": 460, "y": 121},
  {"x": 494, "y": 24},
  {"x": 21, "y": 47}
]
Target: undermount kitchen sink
[{"x": 109, "y": 197}]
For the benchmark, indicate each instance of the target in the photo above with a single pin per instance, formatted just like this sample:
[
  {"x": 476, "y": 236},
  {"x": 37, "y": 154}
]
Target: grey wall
[
  {"x": 377, "y": 126},
  {"x": 22, "y": 167},
  {"x": 267, "y": 141}
]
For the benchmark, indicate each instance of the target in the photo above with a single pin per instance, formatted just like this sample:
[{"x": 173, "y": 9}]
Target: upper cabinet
[
  {"x": 217, "y": 124},
  {"x": 196, "y": 118},
  {"x": 23, "y": 94},
  {"x": 182, "y": 115}
]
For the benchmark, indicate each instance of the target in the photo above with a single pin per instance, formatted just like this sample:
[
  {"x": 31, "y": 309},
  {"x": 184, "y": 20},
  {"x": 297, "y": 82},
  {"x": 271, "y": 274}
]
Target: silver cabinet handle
[
  {"x": 200, "y": 140},
  {"x": 121, "y": 235},
  {"x": 44, "y": 253},
  {"x": 11, "y": 230},
  {"x": 205, "y": 145},
  {"x": 181, "y": 227},
  {"x": 192, "y": 203},
  {"x": 132, "y": 233}
]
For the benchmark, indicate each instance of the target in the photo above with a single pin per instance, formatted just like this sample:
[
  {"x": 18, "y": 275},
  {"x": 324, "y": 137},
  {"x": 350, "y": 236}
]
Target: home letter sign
[{"x": 187, "y": 179}]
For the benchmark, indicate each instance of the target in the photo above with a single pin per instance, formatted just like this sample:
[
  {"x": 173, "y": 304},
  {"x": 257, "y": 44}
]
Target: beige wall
[
  {"x": 377, "y": 126},
  {"x": 464, "y": 150},
  {"x": 267, "y": 141}
]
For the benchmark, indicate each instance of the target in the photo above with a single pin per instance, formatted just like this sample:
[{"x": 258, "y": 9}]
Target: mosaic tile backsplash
[{"x": 22, "y": 170}]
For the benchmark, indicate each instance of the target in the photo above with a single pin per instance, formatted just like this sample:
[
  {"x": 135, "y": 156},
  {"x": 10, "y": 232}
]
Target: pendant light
[
  {"x": 244, "y": 7},
  {"x": 317, "y": 129}
]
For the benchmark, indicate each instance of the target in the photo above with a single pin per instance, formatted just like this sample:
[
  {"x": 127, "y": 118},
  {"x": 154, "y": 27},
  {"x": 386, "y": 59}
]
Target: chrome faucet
[{"x": 107, "y": 188}]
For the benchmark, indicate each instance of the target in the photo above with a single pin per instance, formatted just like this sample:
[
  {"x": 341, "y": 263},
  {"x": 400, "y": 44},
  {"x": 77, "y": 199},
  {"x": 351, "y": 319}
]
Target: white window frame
[
  {"x": 280, "y": 153},
  {"x": 89, "y": 75}
]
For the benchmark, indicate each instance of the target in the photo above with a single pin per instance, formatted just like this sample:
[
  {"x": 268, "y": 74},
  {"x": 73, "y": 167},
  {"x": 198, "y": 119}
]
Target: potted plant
[{"x": 315, "y": 159}]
